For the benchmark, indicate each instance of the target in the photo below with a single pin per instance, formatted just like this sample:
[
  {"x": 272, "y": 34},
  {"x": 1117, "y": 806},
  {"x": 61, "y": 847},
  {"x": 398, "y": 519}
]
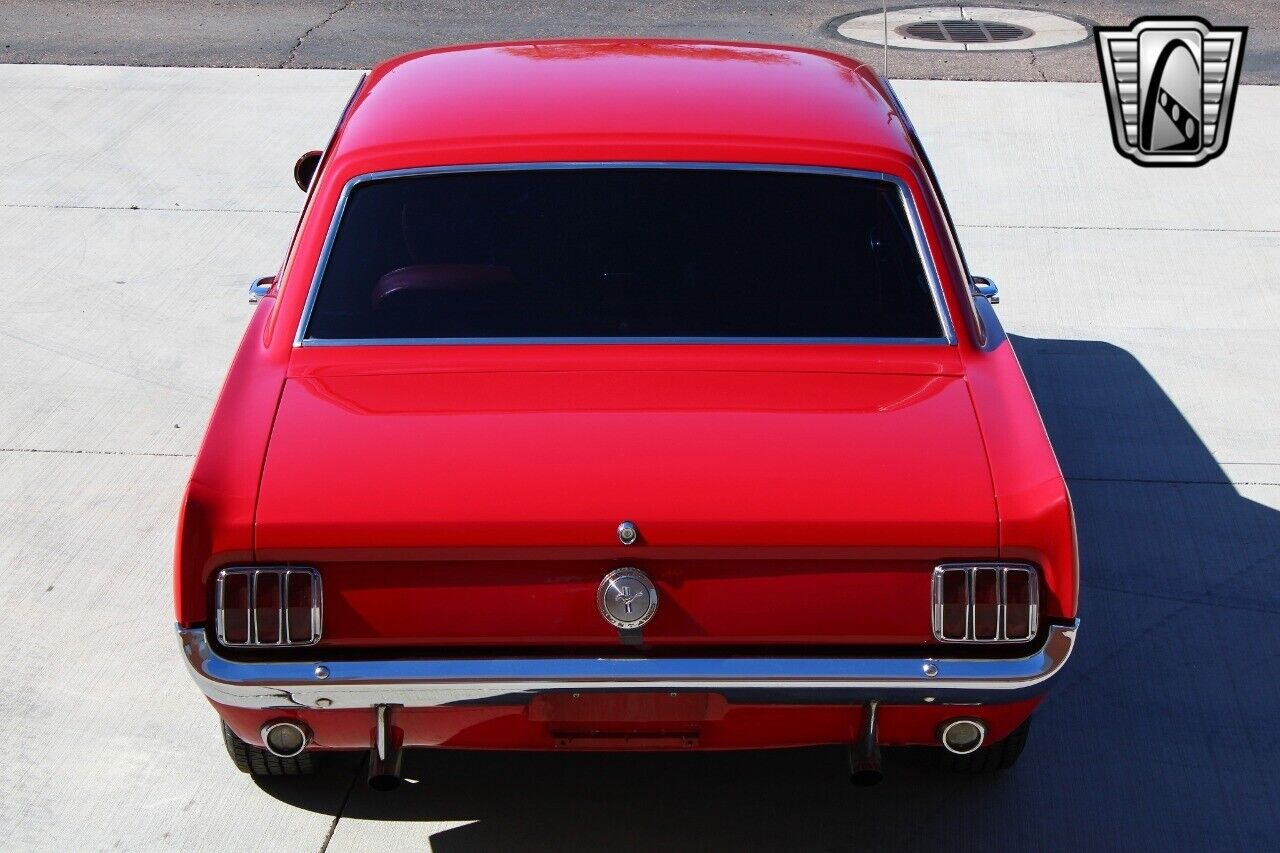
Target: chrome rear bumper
[{"x": 432, "y": 682}]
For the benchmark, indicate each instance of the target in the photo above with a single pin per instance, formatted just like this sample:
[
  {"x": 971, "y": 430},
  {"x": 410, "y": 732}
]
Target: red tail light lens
[
  {"x": 267, "y": 613},
  {"x": 1019, "y": 601},
  {"x": 268, "y": 606},
  {"x": 303, "y": 606},
  {"x": 233, "y": 609},
  {"x": 985, "y": 603},
  {"x": 955, "y": 605}
]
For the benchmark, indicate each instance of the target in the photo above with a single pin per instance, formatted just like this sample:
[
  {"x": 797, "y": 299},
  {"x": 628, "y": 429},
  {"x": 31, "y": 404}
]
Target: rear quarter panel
[
  {"x": 216, "y": 523},
  {"x": 1036, "y": 521}
]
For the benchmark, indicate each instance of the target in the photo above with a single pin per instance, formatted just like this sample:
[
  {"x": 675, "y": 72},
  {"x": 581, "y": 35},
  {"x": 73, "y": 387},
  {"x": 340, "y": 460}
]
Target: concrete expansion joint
[
  {"x": 1046, "y": 227},
  {"x": 96, "y": 452},
  {"x": 148, "y": 208},
  {"x": 1164, "y": 482}
]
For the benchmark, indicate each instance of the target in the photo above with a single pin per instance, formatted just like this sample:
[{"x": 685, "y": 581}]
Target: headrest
[{"x": 440, "y": 278}]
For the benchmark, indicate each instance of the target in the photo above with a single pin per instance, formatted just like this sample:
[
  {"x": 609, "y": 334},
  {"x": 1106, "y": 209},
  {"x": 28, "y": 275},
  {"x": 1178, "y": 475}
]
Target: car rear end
[{"x": 625, "y": 454}]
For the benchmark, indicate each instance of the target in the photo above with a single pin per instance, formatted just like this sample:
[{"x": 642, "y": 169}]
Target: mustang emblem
[{"x": 626, "y": 598}]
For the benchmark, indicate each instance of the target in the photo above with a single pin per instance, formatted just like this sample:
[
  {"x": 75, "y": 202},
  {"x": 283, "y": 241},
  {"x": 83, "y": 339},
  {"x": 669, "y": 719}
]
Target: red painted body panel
[
  {"x": 726, "y": 726},
  {"x": 779, "y": 599},
  {"x": 610, "y": 100},
  {"x": 1035, "y": 508},
  {"x": 880, "y": 473},
  {"x": 696, "y": 458},
  {"x": 215, "y": 524},
  {"x": 818, "y": 483}
]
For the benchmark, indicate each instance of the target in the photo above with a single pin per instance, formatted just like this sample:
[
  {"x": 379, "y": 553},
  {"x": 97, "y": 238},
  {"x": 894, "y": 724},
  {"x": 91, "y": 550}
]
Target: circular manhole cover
[{"x": 963, "y": 28}]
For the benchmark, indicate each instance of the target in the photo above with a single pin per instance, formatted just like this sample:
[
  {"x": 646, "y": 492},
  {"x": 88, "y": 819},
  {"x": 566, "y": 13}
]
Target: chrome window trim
[
  {"x": 896, "y": 103},
  {"x": 948, "y": 336},
  {"x": 1003, "y": 569},
  {"x": 286, "y": 575},
  {"x": 637, "y": 341},
  {"x": 317, "y": 682}
]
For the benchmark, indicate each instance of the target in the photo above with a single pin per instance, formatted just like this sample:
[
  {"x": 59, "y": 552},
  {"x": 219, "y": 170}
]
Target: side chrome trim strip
[
  {"x": 434, "y": 682},
  {"x": 638, "y": 341},
  {"x": 904, "y": 193}
]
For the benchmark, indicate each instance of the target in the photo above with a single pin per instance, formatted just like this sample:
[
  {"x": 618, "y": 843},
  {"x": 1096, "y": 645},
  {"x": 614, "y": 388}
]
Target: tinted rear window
[{"x": 624, "y": 253}]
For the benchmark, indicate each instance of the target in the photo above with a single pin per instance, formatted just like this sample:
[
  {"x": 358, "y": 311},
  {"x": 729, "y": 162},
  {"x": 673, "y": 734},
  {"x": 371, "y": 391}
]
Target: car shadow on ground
[{"x": 1159, "y": 733}]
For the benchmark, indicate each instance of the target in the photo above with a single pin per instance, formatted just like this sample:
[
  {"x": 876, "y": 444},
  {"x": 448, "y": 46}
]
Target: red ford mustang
[{"x": 624, "y": 395}]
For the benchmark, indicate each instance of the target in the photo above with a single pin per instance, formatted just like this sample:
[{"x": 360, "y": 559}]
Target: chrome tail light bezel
[
  {"x": 970, "y": 570},
  {"x": 286, "y": 577}
]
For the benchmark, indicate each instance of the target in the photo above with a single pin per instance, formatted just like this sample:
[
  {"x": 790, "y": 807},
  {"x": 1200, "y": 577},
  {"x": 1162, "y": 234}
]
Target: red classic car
[{"x": 624, "y": 395}]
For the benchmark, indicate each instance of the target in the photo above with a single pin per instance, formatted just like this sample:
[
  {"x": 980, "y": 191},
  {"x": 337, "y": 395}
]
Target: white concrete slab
[
  {"x": 1025, "y": 154},
  {"x": 1153, "y": 353},
  {"x": 1177, "y": 266},
  {"x": 1206, "y": 327},
  {"x": 102, "y": 743},
  {"x": 174, "y": 138},
  {"x": 118, "y": 325}
]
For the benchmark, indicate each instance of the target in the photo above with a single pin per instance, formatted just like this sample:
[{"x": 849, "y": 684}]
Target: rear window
[{"x": 624, "y": 254}]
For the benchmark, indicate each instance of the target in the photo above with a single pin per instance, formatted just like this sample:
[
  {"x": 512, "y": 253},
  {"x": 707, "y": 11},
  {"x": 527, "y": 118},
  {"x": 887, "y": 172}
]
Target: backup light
[
  {"x": 985, "y": 603},
  {"x": 279, "y": 606}
]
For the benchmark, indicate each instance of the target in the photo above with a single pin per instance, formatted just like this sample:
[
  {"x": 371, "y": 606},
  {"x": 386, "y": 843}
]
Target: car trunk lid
[{"x": 481, "y": 506}]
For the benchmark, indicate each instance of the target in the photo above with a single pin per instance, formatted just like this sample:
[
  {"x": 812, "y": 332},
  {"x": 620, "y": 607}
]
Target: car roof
[{"x": 614, "y": 100}]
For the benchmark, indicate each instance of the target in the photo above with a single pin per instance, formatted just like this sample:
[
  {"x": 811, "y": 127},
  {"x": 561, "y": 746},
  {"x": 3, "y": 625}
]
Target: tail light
[
  {"x": 985, "y": 603},
  {"x": 278, "y": 606}
]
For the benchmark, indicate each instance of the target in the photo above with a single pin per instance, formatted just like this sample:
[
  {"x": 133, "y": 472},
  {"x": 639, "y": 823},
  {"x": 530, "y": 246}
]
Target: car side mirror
[
  {"x": 305, "y": 169},
  {"x": 986, "y": 288},
  {"x": 261, "y": 287}
]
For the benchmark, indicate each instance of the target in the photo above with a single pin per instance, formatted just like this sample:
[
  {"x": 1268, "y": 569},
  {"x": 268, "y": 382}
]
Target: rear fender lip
[{"x": 438, "y": 682}]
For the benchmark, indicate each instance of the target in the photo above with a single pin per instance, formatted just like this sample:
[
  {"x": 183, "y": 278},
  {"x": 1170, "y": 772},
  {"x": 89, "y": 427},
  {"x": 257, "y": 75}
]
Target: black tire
[
  {"x": 256, "y": 761},
  {"x": 990, "y": 759}
]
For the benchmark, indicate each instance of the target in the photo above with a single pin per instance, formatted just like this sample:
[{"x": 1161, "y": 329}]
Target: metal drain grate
[
  {"x": 964, "y": 31},
  {"x": 967, "y": 28}
]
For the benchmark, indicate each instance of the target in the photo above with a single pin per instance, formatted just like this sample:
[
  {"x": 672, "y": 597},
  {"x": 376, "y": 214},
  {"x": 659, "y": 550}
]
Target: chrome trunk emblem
[{"x": 627, "y": 598}]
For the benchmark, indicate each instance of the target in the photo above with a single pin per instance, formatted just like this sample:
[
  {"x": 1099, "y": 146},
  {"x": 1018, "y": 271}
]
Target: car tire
[
  {"x": 990, "y": 759},
  {"x": 256, "y": 761}
]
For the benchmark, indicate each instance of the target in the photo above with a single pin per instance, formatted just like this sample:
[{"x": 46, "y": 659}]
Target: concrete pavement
[{"x": 136, "y": 205}]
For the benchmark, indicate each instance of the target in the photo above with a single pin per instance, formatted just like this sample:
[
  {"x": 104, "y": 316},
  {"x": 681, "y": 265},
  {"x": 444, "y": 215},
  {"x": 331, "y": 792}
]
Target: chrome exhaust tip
[
  {"x": 961, "y": 737},
  {"x": 285, "y": 738}
]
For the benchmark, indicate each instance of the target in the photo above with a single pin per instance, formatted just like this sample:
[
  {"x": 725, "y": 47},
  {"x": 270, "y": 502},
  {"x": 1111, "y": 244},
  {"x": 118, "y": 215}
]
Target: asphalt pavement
[{"x": 360, "y": 33}]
